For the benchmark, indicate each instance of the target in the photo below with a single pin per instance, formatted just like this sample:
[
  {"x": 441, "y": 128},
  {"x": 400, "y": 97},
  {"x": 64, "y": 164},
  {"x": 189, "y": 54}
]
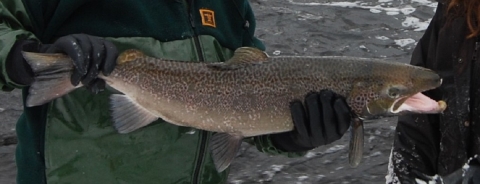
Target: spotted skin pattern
[{"x": 252, "y": 97}]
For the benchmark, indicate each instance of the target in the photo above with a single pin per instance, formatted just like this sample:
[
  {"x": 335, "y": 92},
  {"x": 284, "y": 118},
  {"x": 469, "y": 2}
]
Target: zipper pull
[{"x": 191, "y": 20}]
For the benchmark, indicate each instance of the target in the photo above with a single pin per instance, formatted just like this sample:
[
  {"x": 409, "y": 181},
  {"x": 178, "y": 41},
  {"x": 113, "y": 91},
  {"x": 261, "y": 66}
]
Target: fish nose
[
  {"x": 428, "y": 78},
  {"x": 437, "y": 79}
]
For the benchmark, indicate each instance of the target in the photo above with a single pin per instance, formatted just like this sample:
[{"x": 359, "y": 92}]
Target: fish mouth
[{"x": 418, "y": 103}]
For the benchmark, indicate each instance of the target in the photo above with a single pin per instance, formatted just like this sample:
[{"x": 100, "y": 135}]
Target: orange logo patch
[{"x": 208, "y": 17}]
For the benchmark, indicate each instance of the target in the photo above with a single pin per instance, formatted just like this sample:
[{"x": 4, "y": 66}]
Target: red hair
[{"x": 471, "y": 10}]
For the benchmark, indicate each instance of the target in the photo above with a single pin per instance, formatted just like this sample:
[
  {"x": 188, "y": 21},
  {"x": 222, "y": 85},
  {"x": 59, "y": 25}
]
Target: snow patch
[
  {"x": 375, "y": 11},
  {"x": 382, "y": 37},
  {"x": 335, "y": 148},
  {"x": 413, "y": 22},
  {"x": 391, "y": 178},
  {"x": 310, "y": 154},
  {"x": 404, "y": 42}
]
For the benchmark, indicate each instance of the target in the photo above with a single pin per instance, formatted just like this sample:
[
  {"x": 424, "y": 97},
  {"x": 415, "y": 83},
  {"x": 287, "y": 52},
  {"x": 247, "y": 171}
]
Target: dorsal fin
[
  {"x": 243, "y": 56},
  {"x": 129, "y": 55}
]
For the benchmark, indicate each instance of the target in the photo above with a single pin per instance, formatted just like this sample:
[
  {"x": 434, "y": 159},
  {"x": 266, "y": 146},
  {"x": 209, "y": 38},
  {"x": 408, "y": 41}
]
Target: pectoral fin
[
  {"x": 224, "y": 148},
  {"x": 356, "y": 143},
  {"x": 128, "y": 115},
  {"x": 242, "y": 57}
]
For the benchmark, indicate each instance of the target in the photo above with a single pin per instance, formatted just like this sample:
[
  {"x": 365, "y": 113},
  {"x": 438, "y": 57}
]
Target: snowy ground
[{"x": 364, "y": 28}]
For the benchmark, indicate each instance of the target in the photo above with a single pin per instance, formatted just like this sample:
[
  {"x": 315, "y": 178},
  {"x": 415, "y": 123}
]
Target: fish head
[{"x": 394, "y": 90}]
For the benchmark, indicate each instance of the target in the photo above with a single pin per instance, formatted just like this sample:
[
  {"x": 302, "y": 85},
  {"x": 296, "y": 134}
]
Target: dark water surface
[
  {"x": 367, "y": 28},
  {"x": 374, "y": 29}
]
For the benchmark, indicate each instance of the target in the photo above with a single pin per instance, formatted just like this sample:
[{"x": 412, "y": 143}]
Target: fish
[{"x": 248, "y": 95}]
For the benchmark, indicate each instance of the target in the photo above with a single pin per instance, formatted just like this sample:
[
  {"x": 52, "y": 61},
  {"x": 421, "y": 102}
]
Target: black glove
[
  {"x": 90, "y": 55},
  {"x": 324, "y": 119},
  {"x": 472, "y": 173},
  {"x": 466, "y": 175}
]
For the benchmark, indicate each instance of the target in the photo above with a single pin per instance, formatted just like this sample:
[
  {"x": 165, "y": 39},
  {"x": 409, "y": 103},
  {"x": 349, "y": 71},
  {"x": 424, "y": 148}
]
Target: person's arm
[
  {"x": 416, "y": 145},
  {"x": 14, "y": 26}
]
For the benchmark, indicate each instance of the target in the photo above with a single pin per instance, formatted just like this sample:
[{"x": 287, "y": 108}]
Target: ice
[
  {"x": 339, "y": 4},
  {"x": 277, "y": 167},
  {"x": 407, "y": 10},
  {"x": 391, "y": 178},
  {"x": 424, "y": 2},
  {"x": 410, "y": 21},
  {"x": 335, "y": 148},
  {"x": 404, "y": 42},
  {"x": 413, "y": 22},
  {"x": 392, "y": 13},
  {"x": 382, "y": 37},
  {"x": 310, "y": 154},
  {"x": 268, "y": 175},
  {"x": 377, "y": 153},
  {"x": 404, "y": 9},
  {"x": 375, "y": 10},
  {"x": 302, "y": 178}
]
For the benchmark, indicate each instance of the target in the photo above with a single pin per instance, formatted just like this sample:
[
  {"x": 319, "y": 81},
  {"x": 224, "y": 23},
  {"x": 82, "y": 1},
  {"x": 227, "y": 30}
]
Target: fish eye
[{"x": 393, "y": 92}]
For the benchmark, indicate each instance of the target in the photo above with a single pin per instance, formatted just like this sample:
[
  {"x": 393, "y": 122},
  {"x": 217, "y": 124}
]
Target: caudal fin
[{"x": 52, "y": 77}]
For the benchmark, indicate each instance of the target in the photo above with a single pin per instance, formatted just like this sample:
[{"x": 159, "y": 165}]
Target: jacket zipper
[
  {"x": 201, "y": 156},
  {"x": 204, "y": 134},
  {"x": 195, "y": 35},
  {"x": 472, "y": 81},
  {"x": 473, "y": 98}
]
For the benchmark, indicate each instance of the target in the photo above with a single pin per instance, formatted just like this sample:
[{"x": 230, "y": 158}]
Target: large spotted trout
[{"x": 248, "y": 95}]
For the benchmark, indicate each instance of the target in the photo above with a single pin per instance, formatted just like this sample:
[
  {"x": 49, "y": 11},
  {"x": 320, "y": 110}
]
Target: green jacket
[{"x": 71, "y": 140}]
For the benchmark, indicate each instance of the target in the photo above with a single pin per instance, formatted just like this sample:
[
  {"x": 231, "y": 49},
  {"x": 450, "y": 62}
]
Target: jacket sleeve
[
  {"x": 416, "y": 144},
  {"x": 264, "y": 144},
  {"x": 250, "y": 18},
  {"x": 14, "y": 23}
]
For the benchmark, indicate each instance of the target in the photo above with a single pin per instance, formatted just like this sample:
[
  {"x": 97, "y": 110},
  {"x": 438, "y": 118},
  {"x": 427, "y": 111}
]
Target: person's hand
[
  {"x": 472, "y": 171},
  {"x": 91, "y": 55},
  {"x": 468, "y": 174},
  {"x": 472, "y": 174},
  {"x": 325, "y": 118}
]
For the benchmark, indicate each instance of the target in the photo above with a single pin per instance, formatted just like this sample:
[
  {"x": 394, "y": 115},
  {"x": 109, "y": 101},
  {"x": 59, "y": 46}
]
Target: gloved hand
[
  {"x": 325, "y": 118},
  {"x": 472, "y": 172},
  {"x": 469, "y": 174},
  {"x": 90, "y": 55}
]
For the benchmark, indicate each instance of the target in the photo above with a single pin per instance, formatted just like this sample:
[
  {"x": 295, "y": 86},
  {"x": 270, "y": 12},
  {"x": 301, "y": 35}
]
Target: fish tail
[
  {"x": 52, "y": 77},
  {"x": 356, "y": 143}
]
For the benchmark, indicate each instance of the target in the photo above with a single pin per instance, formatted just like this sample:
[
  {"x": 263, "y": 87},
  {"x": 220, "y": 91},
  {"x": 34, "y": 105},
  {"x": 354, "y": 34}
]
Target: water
[{"x": 365, "y": 28}]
